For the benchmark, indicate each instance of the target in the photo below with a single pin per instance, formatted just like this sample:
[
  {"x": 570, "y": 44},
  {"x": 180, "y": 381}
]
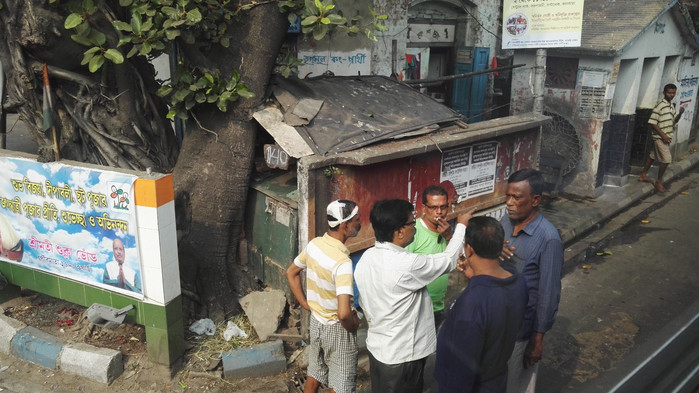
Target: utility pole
[{"x": 539, "y": 80}]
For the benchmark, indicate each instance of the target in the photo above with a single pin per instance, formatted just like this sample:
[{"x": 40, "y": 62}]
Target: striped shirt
[
  {"x": 328, "y": 275},
  {"x": 664, "y": 116}
]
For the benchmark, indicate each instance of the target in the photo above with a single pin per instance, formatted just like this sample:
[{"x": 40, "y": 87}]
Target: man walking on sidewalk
[
  {"x": 332, "y": 357},
  {"x": 663, "y": 121},
  {"x": 537, "y": 253}
]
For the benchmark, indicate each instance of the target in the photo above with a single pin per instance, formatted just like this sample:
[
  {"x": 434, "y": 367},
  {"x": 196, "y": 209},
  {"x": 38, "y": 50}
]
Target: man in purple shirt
[{"x": 536, "y": 251}]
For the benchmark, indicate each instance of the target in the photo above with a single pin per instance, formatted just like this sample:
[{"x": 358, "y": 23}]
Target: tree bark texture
[
  {"x": 114, "y": 118},
  {"x": 213, "y": 170}
]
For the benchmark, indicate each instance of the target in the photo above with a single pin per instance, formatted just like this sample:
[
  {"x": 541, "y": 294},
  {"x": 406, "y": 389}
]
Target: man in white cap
[{"x": 332, "y": 357}]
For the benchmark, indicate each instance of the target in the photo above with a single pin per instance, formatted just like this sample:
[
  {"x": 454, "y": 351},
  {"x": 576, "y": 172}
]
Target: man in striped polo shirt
[
  {"x": 662, "y": 120},
  {"x": 332, "y": 352}
]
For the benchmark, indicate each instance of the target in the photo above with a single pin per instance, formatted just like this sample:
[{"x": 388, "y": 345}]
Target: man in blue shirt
[
  {"x": 536, "y": 251},
  {"x": 480, "y": 331}
]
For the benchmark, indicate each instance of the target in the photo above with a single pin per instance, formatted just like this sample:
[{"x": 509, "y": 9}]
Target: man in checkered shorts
[{"x": 332, "y": 353}]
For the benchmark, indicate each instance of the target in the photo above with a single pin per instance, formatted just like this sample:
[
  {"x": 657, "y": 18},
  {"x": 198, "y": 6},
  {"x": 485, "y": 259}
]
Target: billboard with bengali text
[
  {"x": 541, "y": 23},
  {"x": 74, "y": 222}
]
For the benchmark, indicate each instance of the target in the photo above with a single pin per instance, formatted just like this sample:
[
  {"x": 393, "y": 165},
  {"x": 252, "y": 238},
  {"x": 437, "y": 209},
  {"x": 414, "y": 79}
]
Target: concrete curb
[
  {"x": 256, "y": 361},
  {"x": 32, "y": 345}
]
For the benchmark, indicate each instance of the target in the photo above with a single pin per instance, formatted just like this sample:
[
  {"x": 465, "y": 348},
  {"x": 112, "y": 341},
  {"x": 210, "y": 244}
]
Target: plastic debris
[
  {"x": 203, "y": 326},
  {"x": 183, "y": 386},
  {"x": 232, "y": 330},
  {"x": 586, "y": 267},
  {"x": 605, "y": 252},
  {"x": 645, "y": 222},
  {"x": 684, "y": 193}
]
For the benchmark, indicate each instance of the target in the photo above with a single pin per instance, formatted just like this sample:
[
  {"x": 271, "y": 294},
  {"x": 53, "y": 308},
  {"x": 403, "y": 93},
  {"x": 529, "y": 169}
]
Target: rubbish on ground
[
  {"x": 605, "y": 252},
  {"x": 105, "y": 316},
  {"x": 203, "y": 326},
  {"x": 684, "y": 193},
  {"x": 232, "y": 330},
  {"x": 586, "y": 267},
  {"x": 645, "y": 222}
]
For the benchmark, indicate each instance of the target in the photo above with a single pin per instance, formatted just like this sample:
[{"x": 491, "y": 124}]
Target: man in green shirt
[{"x": 432, "y": 232}]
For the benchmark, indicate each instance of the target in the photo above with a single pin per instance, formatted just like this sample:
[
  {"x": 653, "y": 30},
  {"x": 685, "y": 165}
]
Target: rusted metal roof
[{"x": 337, "y": 114}]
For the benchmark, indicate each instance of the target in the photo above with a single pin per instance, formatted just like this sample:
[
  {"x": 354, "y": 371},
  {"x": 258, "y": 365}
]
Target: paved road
[{"x": 618, "y": 301}]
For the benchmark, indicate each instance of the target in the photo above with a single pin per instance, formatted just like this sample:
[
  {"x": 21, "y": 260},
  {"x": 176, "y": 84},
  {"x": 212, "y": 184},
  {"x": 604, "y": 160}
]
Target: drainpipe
[{"x": 539, "y": 80}]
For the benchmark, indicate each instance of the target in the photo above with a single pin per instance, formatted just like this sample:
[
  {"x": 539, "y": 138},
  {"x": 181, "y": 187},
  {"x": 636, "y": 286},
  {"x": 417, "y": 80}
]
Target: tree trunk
[
  {"x": 114, "y": 118},
  {"x": 213, "y": 170}
]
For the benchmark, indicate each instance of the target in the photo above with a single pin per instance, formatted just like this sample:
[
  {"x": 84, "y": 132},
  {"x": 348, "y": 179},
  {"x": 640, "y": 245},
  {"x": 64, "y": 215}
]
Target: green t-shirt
[{"x": 428, "y": 242}]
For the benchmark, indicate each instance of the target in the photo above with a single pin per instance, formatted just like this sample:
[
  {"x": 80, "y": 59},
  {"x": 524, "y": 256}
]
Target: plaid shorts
[{"x": 332, "y": 356}]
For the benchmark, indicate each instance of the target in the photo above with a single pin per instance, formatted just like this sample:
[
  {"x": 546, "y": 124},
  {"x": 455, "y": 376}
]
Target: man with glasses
[
  {"x": 332, "y": 358},
  {"x": 432, "y": 232},
  {"x": 392, "y": 293}
]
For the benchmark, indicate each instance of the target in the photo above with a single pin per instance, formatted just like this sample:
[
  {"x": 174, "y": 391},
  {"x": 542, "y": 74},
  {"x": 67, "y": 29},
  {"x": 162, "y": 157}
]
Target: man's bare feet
[
  {"x": 645, "y": 178},
  {"x": 659, "y": 187}
]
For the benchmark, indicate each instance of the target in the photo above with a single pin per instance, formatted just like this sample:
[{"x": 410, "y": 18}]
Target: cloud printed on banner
[{"x": 77, "y": 250}]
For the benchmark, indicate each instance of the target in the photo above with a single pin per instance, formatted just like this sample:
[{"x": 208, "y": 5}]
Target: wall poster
[
  {"x": 73, "y": 222},
  {"x": 541, "y": 23},
  {"x": 471, "y": 169}
]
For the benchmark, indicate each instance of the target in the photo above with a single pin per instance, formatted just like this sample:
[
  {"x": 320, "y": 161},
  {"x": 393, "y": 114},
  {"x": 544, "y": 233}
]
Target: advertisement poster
[
  {"x": 72, "y": 222},
  {"x": 471, "y": 169},
  {"x": 541, "y": 23}
]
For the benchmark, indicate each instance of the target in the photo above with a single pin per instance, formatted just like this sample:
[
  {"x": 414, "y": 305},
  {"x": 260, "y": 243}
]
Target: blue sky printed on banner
[{"x": 69, "y": 230}]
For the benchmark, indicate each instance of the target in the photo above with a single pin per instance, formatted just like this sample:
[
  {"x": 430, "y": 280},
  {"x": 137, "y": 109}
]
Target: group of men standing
[{"x": 490, "y": 339}]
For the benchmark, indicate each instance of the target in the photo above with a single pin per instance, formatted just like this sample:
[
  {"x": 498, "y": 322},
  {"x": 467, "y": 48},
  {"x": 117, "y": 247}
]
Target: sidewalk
[{"x": 585, "y": 219}]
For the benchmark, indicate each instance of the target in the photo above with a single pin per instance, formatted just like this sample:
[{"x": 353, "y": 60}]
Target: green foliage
[
  {"x": 152, "y": 27},
  {"x": 190, "y": 87},
  {"x": 288, "y": 63},
  {"x": 331, "y": 171}
]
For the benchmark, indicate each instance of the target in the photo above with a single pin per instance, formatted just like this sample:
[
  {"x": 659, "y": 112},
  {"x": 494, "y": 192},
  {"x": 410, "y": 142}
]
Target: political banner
[{"x": 70, "y": 221}]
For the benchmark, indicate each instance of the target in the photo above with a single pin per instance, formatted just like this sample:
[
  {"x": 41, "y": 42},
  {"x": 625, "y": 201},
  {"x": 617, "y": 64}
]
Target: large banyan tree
[{"x": 111, "y": 108}]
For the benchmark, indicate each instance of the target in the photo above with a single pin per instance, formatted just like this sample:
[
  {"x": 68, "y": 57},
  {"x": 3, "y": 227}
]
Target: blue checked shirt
[{"x": 539, "y": 257}]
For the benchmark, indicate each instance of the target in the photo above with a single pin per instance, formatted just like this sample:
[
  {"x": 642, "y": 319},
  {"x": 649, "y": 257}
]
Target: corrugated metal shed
[{"x": 336, "y": 114}]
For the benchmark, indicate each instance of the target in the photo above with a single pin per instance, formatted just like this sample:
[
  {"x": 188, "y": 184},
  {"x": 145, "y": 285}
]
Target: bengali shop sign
[
  {"x": 73, "y": 222},
  {"x": 542, "y": 23}
]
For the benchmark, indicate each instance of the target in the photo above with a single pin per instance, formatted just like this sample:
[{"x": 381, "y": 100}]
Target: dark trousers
[{"x": 396, "y": 378}]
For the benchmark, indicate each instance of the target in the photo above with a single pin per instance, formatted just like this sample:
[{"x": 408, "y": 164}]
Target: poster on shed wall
[
  {"x": 73, "y": 222},
  {"x": 541, "y": 23},
  {"x": 471, "y": 169}
]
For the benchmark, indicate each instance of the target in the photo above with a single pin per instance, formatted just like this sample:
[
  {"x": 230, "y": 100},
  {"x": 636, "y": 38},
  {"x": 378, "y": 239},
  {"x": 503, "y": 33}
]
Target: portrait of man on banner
[{"x": 119, "y": 274}]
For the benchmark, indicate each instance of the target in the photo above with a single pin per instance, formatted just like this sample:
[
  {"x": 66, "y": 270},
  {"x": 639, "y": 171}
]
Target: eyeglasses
[
  {"x": 411, "y": 223},
  {"x": 433, "y": 208}
]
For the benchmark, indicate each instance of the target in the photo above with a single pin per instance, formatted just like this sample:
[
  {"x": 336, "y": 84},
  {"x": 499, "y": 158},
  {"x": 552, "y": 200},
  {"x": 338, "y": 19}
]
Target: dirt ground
[{"x": 200, "y": 370}]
